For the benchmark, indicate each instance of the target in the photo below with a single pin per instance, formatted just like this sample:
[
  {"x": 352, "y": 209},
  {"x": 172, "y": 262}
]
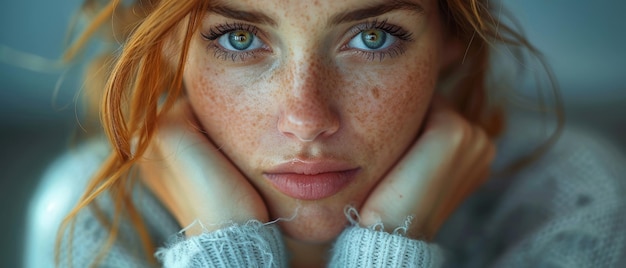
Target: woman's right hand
[{"x": 194, "y": 180}]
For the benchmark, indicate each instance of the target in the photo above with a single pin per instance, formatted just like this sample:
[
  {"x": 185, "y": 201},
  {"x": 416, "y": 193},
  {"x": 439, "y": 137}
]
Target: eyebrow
[
  {"x": 374, "y": 10},
  {"x": 233, "y": 13}
]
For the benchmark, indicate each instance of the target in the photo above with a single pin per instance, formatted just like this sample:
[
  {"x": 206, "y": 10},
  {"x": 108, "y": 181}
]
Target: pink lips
[{"x": 311, "y": 180}]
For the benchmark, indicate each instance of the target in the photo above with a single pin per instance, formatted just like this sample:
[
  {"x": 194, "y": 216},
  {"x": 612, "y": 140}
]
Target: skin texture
[
  {"x": 309, "y": 98},
  {"x": 306, "y": 93}
]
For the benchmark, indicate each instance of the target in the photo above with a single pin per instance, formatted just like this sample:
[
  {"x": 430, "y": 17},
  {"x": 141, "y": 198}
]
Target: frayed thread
[
  {"x": 352, "y": 214},
  {"x": 291, "y": 218},
  {"x": 402, "y": 230},
  {"x": 230, "y": 223}
]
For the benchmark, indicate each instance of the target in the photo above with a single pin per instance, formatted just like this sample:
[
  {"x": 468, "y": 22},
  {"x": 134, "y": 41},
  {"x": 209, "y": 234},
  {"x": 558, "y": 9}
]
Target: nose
[{"x": 308, "y": 111}]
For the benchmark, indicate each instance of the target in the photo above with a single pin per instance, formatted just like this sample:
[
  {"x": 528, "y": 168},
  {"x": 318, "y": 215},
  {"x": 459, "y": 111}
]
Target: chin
[
  {"x": 322, "y": 232},
  {"x": 314, "y": 223}
]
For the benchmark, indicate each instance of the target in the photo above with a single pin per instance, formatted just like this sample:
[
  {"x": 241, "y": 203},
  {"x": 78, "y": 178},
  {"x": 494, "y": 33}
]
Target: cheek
[
  {"x": 225, "y": 114},
  {"x": 391, "y": 109}
]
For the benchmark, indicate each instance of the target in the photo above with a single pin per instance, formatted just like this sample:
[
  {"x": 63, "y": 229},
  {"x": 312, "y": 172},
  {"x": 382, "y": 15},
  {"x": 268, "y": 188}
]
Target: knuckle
[{"x": 458, "y": 130}]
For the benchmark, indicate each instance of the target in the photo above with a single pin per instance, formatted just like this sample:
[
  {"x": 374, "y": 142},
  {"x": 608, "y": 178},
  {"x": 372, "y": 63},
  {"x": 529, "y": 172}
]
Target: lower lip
[{"x": 311, "y": 187}]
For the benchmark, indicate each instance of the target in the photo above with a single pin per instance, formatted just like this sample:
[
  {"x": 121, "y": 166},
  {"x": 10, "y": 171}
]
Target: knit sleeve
[
  {"x": 569, "y": 210},
  {"x": 248, "y": 245},
  {"x": 366, "y": 247},
  {"x": 566, "y": 209}
]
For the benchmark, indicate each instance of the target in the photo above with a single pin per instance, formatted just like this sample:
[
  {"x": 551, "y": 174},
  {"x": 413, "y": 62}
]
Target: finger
[
  {"x": 442, "y": 214},
  {"x": 205, "y": 170},
  {"x": 473, "y": 173},
  {"x": 477, "y": 162},
  {"x": 202, "y": 179},
  {"x": 465, "y": 145},
  {"x": 477, "y": 154}
]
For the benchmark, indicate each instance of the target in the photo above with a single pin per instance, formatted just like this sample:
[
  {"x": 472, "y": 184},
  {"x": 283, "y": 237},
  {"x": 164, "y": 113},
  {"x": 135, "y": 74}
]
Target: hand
[
  {"x": 194, "y": 179},
  {"x": 449, "y": 161}
]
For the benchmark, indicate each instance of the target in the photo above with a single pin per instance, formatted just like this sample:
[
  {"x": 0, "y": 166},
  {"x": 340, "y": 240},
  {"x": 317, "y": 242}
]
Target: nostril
[{"x": 307, "y": 138}]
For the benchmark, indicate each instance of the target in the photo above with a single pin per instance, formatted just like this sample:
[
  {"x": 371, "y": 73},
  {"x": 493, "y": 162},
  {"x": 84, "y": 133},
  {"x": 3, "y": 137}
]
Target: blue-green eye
[
  {"x": 240, "y": 40},
  {"x": 372, "y": 39}
]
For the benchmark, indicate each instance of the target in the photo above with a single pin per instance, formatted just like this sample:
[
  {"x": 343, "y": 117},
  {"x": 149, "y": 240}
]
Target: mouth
[{"x": 311, "y": 180}]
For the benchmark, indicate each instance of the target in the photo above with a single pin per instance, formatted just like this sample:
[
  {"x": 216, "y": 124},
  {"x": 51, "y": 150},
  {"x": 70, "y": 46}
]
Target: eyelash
[
  {"x": 396, "y": 49},
  {"x": 222, "y": 29}
]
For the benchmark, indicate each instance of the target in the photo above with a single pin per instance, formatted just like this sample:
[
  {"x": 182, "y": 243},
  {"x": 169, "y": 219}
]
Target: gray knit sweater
[{"x": 566, "y": 209}]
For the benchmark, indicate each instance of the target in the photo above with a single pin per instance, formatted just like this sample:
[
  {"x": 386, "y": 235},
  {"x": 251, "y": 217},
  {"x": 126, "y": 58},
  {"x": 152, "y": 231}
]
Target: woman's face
[{"x": 314, "y": 101}]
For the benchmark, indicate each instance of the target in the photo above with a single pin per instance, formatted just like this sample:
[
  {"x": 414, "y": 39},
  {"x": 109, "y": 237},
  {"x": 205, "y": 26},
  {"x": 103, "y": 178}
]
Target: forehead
[{"x": 275, "y": 12}]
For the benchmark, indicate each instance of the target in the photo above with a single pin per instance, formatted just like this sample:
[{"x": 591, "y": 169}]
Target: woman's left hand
[{"x": 448, "y": 162}]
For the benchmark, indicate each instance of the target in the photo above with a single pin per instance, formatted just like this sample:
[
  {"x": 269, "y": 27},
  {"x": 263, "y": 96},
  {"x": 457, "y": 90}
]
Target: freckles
[
  {"x": 204, "y": 89},
  {"x": 375, "y": 92},
  {"x": 394, "y": 109}
]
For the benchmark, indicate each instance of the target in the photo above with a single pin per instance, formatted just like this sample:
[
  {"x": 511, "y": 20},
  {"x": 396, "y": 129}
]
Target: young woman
[{"x": 327, "y": 133}]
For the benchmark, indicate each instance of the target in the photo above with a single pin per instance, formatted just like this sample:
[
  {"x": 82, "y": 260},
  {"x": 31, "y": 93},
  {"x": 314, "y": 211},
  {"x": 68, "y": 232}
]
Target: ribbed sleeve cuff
[
  {"x": 363, "y": 247},
  {"x": 250, "y": 245}
]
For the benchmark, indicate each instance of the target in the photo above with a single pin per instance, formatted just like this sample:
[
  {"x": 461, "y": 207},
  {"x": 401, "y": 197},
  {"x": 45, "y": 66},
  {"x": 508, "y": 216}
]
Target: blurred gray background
[{"x": 584, "y": 41}]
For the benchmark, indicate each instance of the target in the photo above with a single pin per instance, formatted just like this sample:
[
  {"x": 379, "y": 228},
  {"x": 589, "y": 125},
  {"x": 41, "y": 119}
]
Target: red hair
[{"x": 137, "y": 78}]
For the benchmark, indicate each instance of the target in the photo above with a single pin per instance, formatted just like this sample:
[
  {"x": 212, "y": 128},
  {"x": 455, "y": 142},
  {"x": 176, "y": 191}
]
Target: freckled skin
[{"x": 309, "y": 98}]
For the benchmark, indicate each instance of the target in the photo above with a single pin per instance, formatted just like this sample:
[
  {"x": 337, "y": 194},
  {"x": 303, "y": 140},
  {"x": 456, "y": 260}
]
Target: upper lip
[{"x": 311, "y": 167}]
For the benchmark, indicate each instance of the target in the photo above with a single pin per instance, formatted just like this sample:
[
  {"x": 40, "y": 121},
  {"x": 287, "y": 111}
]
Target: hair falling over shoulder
[
  {"x": 143, "y": 78},
  {"x": 130, "y": 96}
]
